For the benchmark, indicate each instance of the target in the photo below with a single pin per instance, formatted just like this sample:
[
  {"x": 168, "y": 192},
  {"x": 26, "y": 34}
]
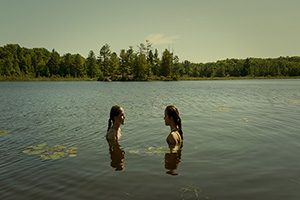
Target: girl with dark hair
[
  {"x": 174, "y": 139},
  {"x": 113, "y": 135},
  {"x": 173, "y": 120},
  {"x": 116, "y": 118}
]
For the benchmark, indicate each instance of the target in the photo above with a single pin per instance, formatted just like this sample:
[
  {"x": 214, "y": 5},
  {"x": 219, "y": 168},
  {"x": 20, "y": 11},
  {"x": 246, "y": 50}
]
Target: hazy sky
[{"x": 196, "y": 30}]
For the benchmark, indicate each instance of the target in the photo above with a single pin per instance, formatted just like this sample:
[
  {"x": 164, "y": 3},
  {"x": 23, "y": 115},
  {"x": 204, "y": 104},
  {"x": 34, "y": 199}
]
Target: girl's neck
[
  {"x": 116, "y": 126},
  {"x": 173, "y": 127}
]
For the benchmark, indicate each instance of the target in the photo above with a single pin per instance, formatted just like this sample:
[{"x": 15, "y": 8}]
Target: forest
[{"x": 20, "y": 63}]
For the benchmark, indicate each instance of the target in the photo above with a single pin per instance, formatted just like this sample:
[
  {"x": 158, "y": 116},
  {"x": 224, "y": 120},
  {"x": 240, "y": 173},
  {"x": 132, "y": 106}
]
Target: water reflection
[
  {"x": 172, "y": 159},
  {"x": 117, "y": 155}
]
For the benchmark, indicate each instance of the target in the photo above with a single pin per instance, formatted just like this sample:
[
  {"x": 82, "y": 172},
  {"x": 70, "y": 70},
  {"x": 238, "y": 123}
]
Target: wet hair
[
  {"x": 114, "y": 111},
  {"x": 172, "y": 111}
]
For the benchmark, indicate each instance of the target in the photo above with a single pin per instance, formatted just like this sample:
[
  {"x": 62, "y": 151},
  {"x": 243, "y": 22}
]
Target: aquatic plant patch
[
  {"x": 50, "y": 152},
  {"x": 149, "y": 150},
  {"x": 3, "y": 133},
  {"x": 156, "y": 150}
]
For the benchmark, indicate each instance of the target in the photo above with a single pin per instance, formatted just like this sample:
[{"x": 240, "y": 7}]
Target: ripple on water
[{"x": 240, "y": 139}]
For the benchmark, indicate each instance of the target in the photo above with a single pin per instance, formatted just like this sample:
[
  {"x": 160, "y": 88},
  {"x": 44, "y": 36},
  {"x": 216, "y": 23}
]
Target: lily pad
[
  {"x": 72, "y": 151},
  {"x": 3, "y": 133},
  {"x": 50, "y": 153},
  {"x": 58, "y": 148},
  {"x": 36, "y": 149},
  {"x": 33, "y": 152},
  {"x": 53, "y": 153}
]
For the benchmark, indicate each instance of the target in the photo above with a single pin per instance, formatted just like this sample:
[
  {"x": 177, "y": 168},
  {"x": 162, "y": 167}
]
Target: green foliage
[
  {"x": 166, "y": 63},
  {"x": 124, "y": 66},
  {"x": 18, "y": 62},
  {"x": 92, "y": 67},
  {"x": 78, "y": 67},
  {"x": 53, "y": 63},
  {"x": 104, "y": 59},
  {"x": 114, "y": 64},
  {"x": 140, "y": 67}
]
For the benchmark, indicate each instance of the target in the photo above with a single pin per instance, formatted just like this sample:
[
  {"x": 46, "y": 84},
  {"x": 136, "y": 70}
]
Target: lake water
[{"x": 241, "y": 140}]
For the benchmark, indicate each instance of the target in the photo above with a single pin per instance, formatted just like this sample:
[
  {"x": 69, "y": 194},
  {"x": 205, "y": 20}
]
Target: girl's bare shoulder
[{"x": 113, "y": 134}]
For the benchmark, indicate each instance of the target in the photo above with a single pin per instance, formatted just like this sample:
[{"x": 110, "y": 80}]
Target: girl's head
[
  {"x": 172, "y": 117},
  {"x": 116, "y": 115}
]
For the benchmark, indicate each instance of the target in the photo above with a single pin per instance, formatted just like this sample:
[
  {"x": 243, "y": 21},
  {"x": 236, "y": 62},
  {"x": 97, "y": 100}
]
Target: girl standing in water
[
  {"x": 173, "y": 120},
  {"x": 174, "y": 139},
  {"x": 116, "y": 118},
  {"x": 113, "y": 135}
]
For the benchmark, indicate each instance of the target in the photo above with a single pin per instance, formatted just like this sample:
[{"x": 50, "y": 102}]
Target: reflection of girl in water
[
  {"x": 113, "y": 135},
  {"x": 172, "y": 159},
  {"x": 116, "y": 118},
  {"x": 173, "y": 120},
  {"x": 174, "y": 139},
  {"x": 117, "y": 157}
]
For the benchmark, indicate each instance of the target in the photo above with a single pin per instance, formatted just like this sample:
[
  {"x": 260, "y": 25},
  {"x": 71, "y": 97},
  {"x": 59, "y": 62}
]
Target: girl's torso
[
  {"x": 113, "y": 134},
  {"x": 174, "y": 138}
]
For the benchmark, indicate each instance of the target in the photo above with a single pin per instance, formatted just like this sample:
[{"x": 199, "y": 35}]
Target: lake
[{"x": 241, "y": 140}]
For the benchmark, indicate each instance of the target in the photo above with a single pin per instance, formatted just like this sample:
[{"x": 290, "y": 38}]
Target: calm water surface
[{"x": 241, "y": 140}]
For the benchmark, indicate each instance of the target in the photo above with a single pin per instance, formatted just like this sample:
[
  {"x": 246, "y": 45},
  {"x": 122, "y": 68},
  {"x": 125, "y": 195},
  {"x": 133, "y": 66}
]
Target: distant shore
[{"x": 2, "y": 78}]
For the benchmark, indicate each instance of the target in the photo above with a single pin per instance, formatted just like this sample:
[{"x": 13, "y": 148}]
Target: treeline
[{"x": 143, "y": 64}]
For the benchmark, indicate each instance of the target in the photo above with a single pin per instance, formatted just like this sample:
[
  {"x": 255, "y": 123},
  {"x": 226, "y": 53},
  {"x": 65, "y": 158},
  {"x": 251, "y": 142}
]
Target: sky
[{"x": 194, "y": 30}]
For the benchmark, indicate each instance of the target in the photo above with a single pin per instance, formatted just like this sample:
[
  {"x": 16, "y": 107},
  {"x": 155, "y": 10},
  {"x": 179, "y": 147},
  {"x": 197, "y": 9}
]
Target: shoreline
[{"x": 25, "y": 79}]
